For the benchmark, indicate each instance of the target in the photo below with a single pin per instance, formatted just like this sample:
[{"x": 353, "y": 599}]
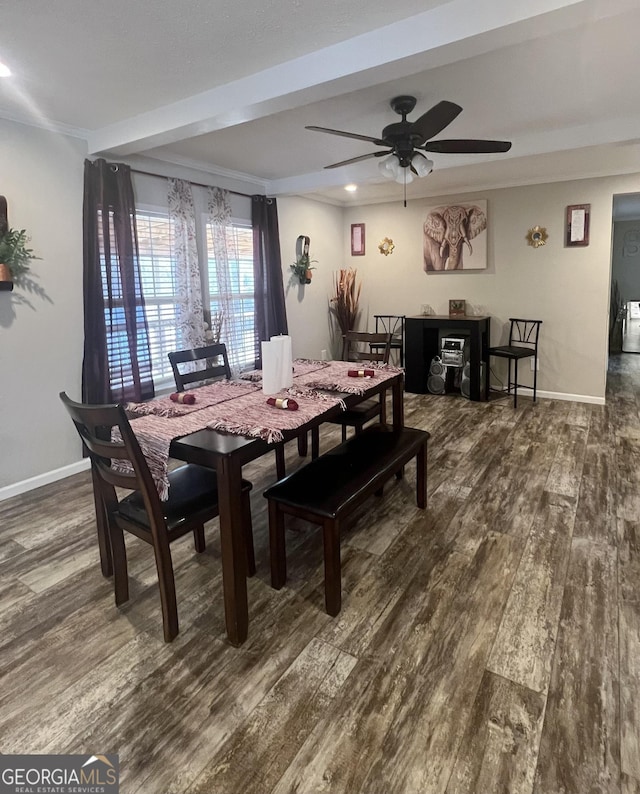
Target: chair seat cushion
[
  {"x": 512, "y": 351},
  {"x": 192, "y": 489}
]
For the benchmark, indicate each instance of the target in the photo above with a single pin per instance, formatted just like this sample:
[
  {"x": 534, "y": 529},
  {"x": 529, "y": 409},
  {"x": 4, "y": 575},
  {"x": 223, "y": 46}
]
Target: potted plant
[
  {"x": 302, "y": 268},
  {"x": 15, "y": 257}
]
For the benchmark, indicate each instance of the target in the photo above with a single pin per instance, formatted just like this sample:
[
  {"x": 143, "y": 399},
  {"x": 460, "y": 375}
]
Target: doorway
[
  {"x": 624, "y": 317},
  {"x": 631, "y": 328}
]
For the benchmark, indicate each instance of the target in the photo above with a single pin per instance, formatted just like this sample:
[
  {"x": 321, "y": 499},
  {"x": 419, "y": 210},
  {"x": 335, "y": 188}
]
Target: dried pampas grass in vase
[{"x": 344, "y": 303}]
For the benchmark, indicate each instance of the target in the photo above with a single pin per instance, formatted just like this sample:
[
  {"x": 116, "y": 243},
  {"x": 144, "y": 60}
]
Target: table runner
[
  {"x": 206, "y": 396},
  {"x": 335, "y": 377},
  {"x": 248, "y": 415},
  {"x": 301, "y": 366}
]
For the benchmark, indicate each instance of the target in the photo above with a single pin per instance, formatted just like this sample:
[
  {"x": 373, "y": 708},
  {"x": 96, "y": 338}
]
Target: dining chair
[
  {"x": 363, "y": 346},
  {"x": 208, "y": 366},
  {"x": 523, "y": 343},
  {"x": 207, "y": 369},
  {"x": 192, "y": 501},
  {"x": 392, "y": 324}
]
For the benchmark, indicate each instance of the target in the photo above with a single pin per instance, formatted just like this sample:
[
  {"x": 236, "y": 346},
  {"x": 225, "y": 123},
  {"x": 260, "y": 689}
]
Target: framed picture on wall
[
  {"x": 447, "y": 232},
  {"x": 357, "y": 239},
  {"x": 577, "y": 225},
  {"x": 457, "y": 308}
]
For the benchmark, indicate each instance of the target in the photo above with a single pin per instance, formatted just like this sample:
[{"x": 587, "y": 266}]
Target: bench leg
[
  {"x": 421, "y": 477},
  {"x": 332, "y": 574},
  {"x": 198, "y": 539},
  {"x": 276, "y": 546}
]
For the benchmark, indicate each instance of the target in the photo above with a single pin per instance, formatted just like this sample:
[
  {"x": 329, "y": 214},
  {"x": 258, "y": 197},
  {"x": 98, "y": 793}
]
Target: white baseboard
[
  {"x": 576, "y": 398},
  {"x": 43, "y": 479},
  {"x": 556, "y": 395}
]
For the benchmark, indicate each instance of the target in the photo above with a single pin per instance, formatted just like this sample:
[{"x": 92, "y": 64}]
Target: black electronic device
[{"x": 436, "y": 382}]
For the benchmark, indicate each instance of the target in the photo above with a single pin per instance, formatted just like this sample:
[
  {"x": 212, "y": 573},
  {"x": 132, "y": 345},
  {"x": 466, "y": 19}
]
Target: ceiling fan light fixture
[
  {"x": 389, "y": 167},
  {"x": 405, "y": 177},
  {"x": 422, "y": 164}
]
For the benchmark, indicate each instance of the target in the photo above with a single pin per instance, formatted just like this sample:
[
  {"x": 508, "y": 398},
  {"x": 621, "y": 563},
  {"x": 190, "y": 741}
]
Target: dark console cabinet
[{"x": 422, "y": 345}]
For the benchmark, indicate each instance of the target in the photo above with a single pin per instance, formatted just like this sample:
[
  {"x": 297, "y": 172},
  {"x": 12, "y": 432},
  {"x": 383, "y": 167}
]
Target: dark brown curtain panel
[
  {"x": 271, "y": 314},
  {"x": 117, "y": 359}
]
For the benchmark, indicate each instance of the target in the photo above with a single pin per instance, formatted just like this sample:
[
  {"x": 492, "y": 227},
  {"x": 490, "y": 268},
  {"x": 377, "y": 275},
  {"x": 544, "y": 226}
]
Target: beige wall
[
  {"x": 41, "y": 337},
  {"x": 307, "y": 306},
  {"x": 568, "y": 288}
]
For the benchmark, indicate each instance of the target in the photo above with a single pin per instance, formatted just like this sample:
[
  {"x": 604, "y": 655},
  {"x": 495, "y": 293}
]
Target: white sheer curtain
[
  {"x": 189, "y": 291},
  {"x": 220, "y": 278}
]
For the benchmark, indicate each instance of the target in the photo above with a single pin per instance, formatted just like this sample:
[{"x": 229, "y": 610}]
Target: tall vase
[{"x": 6, "y": 281}]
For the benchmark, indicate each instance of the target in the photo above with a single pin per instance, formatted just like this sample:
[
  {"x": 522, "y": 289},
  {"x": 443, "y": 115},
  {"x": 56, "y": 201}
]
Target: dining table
[{"x": 226, "y": 433}]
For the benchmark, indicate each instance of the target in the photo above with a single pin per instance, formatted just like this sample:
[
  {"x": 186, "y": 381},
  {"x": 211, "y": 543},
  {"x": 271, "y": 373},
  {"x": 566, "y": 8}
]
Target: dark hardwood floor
[{"x": 490, "y": 644}]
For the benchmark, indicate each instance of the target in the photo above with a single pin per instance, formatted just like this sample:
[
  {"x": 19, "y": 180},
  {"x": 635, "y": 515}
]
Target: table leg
[
  {"x": 234, "y": 562},
  {"x": 397, "y": 395},
  {"x": 475, "y": 357}
]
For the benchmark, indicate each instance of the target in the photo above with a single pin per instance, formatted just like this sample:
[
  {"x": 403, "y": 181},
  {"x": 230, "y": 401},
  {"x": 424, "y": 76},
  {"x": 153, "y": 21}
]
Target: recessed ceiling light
[
  {"x": 351, "y": 188},
  {"x": 4, "y": 70}
]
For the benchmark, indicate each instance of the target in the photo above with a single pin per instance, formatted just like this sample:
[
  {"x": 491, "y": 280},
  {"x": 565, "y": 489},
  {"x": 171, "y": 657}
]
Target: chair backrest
[
  {"x": 209, "y": 360},
  {"x": 391, "y": 324},
  {"x": 524, "y": 333},
  {"x": 94, "y": 424},
  {"x": 357, "y": 347}
]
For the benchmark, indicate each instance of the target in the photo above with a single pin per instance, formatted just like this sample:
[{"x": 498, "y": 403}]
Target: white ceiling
[{"x": 229, "y": 87}]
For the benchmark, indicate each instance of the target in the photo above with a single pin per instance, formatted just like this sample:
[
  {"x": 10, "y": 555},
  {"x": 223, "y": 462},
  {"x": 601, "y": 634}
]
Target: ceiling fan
[{"x": 406, "y": 141}]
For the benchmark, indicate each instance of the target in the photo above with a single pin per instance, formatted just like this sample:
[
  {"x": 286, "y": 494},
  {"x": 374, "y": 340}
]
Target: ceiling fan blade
[
  {"x": 436, "y": 119},
  {"x": 467, "y": 146},
  {"x": 354, "y": 135},
  {"x": 357, "y": 159}
]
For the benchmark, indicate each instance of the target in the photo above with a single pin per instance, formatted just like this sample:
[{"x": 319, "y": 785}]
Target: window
[
  {"x": 238, "y": 304},
  {"x": 159, "y": 288},
  {"x": 157, "y": 283},
  {"x": 156, "y": 236}
]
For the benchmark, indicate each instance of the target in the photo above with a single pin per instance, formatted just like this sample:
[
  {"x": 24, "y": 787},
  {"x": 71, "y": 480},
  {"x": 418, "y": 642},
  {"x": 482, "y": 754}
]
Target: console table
[{"x": 422, "y": 344}]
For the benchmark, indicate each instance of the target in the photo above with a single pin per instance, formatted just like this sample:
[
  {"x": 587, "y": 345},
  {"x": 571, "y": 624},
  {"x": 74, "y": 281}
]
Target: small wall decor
[
  {"x": 577, "y": 225},
  {"x": 357, "y": 239},
  {"x": 447, "y": 232},
  {"x": 386, "y": 246},
  {"x": 15, "y": 257},
  {"x": 457, "y": 308},
  {"x": 537, "y": 236},
  {"x": 302, "y": 266}
]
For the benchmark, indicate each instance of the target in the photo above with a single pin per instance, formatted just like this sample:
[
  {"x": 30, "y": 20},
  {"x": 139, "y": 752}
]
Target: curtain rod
[{"x": 197, "y": 184}]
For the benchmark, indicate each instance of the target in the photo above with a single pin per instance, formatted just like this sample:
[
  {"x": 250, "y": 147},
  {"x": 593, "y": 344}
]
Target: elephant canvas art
[{"x": 448, "y": 231}]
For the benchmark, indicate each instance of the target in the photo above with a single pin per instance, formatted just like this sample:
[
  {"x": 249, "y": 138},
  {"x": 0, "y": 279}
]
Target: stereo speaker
[
  {"x": 465, "y": 381},
  {"x": 437, "y": 374}
]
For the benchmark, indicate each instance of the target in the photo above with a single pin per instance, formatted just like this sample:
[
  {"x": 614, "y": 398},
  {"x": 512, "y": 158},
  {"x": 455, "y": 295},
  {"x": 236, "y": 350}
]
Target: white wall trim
[
  {"x": 556, "y": 395},
  {"x": 18, "y": 488}
]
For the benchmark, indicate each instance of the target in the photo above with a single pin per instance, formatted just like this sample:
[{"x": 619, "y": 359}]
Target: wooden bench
[{"x": 328, "y": 489}]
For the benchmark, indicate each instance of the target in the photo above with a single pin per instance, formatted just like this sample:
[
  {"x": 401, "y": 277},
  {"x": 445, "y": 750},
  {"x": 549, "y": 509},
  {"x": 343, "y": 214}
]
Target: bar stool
[{"x": 523, "y": 343}]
